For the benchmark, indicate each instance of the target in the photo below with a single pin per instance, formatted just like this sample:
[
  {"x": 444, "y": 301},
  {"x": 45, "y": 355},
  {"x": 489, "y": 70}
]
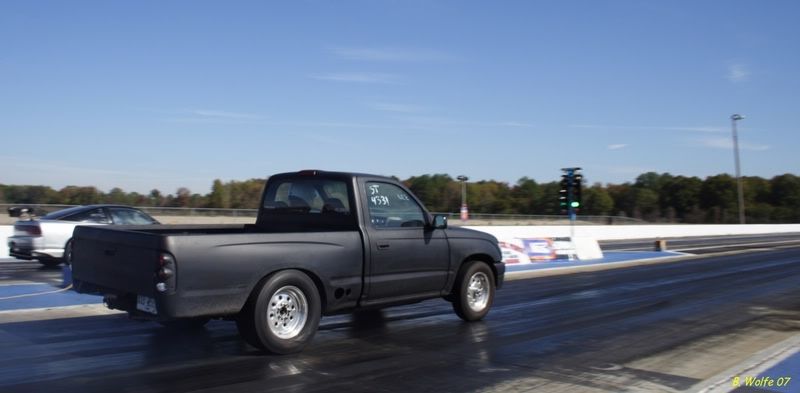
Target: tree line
[{"x": 652, "y": 197}]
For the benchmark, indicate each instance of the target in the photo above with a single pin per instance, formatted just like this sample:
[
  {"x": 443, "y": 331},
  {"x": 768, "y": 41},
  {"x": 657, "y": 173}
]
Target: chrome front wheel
[
  {"x": 473, "y": 292},
  {"x": 478, "y": 291}
]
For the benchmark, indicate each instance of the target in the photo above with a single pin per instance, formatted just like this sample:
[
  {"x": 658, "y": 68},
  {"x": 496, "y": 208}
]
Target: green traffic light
[{"x": 575, "y": 204}]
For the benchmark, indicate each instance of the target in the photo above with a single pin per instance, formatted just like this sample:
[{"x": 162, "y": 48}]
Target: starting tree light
[{"x": 569, "y": 194}]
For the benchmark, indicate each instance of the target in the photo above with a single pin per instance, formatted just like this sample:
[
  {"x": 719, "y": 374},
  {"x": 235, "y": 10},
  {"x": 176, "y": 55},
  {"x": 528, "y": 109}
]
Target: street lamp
[
  {"x": 739, "y": 189},
  {"x": 464, "y": 210}
]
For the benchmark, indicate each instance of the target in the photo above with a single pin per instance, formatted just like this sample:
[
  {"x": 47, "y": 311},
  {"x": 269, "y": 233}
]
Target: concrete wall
[
  {"x": 5, "y": 232},
  {"x": 599, "y": 232},
  {"x": 620, "y": 232},
  {"x": 6, "y": 220}
]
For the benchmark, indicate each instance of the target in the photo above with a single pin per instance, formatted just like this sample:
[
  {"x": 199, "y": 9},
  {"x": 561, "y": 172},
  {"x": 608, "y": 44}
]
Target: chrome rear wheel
[{"x": 288, "y": 312}]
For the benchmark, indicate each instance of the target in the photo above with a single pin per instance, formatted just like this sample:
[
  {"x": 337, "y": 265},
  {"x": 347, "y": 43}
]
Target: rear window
[
  {"x": 307, "y": 203},
  {"x": 59, "y": 214},
  {"x": 308, "y": 196}
]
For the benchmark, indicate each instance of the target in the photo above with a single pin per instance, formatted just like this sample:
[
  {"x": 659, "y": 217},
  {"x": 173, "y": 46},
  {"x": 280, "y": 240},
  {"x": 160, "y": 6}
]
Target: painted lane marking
[{"x": 36, "y": 293}]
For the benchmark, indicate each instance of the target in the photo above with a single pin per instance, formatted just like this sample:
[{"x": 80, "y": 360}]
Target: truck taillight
[{"x": 165, "y": 275}]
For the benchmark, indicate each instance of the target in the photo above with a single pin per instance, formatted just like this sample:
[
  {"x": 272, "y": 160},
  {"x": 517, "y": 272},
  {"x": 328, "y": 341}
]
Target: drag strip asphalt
[{"x": 665, "y": 327}]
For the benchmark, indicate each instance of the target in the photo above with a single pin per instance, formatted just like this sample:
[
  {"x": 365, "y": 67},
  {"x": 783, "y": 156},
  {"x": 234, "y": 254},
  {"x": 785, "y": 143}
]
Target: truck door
[{"x": 406, "y": 258}]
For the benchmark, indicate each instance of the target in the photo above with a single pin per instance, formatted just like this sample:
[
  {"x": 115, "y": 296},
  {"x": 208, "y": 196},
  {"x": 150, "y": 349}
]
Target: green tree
[
  {"x": 624, "y": 199},
  {"x": 155, "y": 198},
  {"x": 246, "y": 194},
  {"x": 491, "y": 197},
  {"x": 682, "y": 195},
  {"x": 718, "y": 198},
  {"x": 597, "y": 201},
  {"x": 220, "y": 196},
  {"x": 74, "y": 195},
  {"x": 646, "y": 204},
  {"x": 182, "y": 198},
  {"x": 117, "y": 196},
  {"x": 785, "y": 197},
  {"x": 527, "y": 196},
  {"x": 439, "y": 192}
]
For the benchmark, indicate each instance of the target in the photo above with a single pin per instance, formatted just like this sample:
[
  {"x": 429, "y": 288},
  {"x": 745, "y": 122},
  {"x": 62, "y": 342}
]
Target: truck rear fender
[{"x": 323, "y": 296}]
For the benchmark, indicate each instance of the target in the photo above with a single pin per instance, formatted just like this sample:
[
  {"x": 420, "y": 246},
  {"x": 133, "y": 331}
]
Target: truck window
[
  {"x": 390, "y": 207},
  {"x": 307, "y": 196}
]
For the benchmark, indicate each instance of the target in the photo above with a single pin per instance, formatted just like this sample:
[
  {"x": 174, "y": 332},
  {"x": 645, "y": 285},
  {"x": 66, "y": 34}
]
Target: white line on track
[{"x": 37, "y": 293}]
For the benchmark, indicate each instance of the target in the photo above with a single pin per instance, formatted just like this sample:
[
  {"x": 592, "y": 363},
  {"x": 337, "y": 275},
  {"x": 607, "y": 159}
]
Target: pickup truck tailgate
[{"x": 121, "y": 259}]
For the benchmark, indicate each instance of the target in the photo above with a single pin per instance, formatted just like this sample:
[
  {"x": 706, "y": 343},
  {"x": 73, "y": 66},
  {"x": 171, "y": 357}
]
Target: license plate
[{"x": 146, "y": 304}]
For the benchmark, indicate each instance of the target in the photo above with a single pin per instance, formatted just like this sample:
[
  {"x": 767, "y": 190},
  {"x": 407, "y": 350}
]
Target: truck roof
[{"x": 319, "y": 172}]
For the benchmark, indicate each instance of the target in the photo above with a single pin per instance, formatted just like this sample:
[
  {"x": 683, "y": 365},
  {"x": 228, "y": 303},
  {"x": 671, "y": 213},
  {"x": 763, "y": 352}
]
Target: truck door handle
[{"x": 383, "y": 246}]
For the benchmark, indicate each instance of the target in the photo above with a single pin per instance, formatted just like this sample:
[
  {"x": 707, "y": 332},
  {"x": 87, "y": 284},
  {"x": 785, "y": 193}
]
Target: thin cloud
[
  {"x": 706, "y": 129},
  {"x": 727, "y": 144},
  {"x": 225, "y": 114},
  {"x": 397, "y": 108},
  {"x": 617, "y": 146},
  {"x": 738, "y": 73},
  {"x": 211, "y": 116},
  {"x": 358, "y": 77},
  {"x": 514, "y": 124},
  {"x": 389, "y": 54},
  {"x": 442, "y": 122}
]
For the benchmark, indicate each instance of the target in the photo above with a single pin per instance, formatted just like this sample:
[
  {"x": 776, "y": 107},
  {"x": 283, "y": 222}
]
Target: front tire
[
  {"x": 473, "y": 292},
  {"x": 282, "y": 316}
]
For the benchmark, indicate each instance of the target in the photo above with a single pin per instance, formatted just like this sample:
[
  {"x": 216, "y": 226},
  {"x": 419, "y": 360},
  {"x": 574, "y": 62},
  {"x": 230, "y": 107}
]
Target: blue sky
[{"x": 144, "y": 95}]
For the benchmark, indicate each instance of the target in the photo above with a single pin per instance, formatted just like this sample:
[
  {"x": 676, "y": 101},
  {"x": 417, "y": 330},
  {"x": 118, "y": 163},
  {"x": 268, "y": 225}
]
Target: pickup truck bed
[{"x": 227, "y": 261}]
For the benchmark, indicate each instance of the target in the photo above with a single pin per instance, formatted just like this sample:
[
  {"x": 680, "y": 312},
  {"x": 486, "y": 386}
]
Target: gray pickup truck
[{"x": 323, "y": 243}]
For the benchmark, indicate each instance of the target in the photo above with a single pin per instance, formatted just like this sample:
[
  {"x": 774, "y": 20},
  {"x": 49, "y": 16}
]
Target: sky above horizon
[{"x": 160, "y": 95}]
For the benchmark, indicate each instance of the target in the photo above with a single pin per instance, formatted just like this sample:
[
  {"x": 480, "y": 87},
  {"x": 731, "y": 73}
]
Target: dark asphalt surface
[{"x": 601, "y": 331}]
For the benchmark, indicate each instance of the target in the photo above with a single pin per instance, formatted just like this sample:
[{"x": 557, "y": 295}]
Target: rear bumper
[
  {"x": 28, "y": 248},
  {"x": 169, "y": 307}
]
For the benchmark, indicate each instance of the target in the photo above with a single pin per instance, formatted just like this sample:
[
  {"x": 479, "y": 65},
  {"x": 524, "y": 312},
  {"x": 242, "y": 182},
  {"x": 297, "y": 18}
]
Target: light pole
[
  {"x": 739, "y": 189},
  {"x": 464, "y": 210}
]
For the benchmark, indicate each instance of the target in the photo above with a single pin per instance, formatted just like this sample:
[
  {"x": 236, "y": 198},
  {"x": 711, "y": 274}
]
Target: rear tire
[
  {"x": 50, "y": 262},
  {"x": 473, "y": 292},
  {"x": 282, "y": 316}
]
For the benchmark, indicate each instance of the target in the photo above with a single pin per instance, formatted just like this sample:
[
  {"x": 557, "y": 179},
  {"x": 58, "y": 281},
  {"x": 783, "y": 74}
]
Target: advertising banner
[{"x": 527, "y": 250}]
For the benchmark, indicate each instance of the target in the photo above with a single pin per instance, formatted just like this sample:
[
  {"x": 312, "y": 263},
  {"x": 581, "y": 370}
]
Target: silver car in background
[{"x": 46, "y": 239}]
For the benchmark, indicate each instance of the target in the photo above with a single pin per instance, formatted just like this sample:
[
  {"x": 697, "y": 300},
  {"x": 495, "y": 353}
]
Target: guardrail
[
  {"x": 528, "y": 219},
  {"x": 475, "y": 218}
]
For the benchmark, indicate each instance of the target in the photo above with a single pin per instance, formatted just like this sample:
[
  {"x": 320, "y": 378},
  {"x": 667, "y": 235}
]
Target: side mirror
[{"x": 439, "y": 221}]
